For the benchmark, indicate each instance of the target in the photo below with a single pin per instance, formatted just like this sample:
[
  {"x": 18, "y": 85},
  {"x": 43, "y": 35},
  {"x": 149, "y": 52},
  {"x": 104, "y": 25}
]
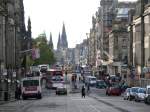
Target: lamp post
[
  {"x": 142, "y": 38},
  {"x": 6, "y": 41}
]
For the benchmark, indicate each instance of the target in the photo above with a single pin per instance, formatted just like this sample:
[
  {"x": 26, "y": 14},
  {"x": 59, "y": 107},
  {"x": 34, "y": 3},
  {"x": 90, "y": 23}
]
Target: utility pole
[
  {"x": 6, "y": 42},
  {"x": 142, "y": 38}
]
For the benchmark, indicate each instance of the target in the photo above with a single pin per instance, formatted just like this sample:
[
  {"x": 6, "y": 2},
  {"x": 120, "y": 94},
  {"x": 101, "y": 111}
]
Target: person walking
[
  {"x": 83, "y": 92},
  {"x": 18, "y": 92},
  {"x": 88, "y": 88}
]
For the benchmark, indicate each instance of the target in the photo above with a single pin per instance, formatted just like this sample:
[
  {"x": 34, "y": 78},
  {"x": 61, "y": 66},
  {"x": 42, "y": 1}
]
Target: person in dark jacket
[
  {"x": 18, "y": 92},
  {"x": 88, "y": 88},
  {"x": 83, "y": 92}
]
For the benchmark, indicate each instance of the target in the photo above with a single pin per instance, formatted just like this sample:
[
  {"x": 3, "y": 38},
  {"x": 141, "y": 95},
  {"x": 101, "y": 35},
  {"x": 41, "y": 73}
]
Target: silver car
[
  {"x": 133, "y": 92},
  {"x": 147, "y": 96},
  {"x": 126, "y": 94},
  {"x": 140, "y": 95}
]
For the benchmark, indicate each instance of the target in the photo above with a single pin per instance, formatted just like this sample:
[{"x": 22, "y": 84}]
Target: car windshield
[
  {"x": 134, "y": 90},
  {"x": 141, "y": 91},
  {"x": 57, "y": 79},
  {"x": 101, "y": 82},
  {"x": 128, "y": 90},
  {"x": 27, "y": 83}
]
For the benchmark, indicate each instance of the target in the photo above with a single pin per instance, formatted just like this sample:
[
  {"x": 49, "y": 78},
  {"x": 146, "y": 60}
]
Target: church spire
[
  {"x": 29, "y": 28},
  {"x": 29, "y": 34},
  {"x": 51, "y": 41},
  {"x": 64, "y": 37},
  {"x": 58, "y": 43}
]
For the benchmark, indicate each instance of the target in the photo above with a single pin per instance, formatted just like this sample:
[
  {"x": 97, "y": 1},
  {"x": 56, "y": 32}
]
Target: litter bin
[{"x": 6, "y": 96}]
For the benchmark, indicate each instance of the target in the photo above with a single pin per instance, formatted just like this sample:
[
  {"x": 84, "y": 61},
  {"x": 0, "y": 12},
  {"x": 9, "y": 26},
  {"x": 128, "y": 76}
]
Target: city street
[
  {"x": 95, "y": 102},
  {"x": 75, "y": 47}
]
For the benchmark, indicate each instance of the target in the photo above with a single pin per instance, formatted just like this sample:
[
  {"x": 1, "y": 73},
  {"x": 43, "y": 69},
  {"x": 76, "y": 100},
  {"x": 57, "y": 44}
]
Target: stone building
[
  {"x": 92, "y": 44},
  {"x": 51, "y": 42},
  {"x": 62, "y": 41},
  {"x": 140, "y": 42},
  {"x": 12, "y": 33},
  {"x": 108, "y": 9},
  {"x": 84, "y": 53},
  {"x": 119, "y": 40},
  {"x": 102, "y": 25},
  {"x": 62, "y": 47},
  {"x": 77, "y": 54}
]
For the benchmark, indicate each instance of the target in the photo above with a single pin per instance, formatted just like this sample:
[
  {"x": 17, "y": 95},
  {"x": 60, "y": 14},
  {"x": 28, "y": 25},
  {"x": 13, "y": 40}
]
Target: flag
[{"x": 35, "y": 53}]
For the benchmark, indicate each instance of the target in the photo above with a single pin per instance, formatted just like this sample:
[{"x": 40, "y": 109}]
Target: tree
[{"x": 46, "y": 54}]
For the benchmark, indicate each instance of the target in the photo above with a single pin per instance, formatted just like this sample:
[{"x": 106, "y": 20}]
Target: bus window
[{"x": 28, "y": 83}]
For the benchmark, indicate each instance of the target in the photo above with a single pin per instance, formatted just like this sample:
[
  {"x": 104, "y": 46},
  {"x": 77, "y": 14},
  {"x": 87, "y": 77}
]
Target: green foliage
[
  {"x": 29, "y": 61},
  {"x": 46, "y": 54}
]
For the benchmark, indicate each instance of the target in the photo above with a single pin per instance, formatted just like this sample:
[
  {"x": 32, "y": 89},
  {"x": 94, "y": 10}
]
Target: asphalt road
[{"x": 96, "y": 101}]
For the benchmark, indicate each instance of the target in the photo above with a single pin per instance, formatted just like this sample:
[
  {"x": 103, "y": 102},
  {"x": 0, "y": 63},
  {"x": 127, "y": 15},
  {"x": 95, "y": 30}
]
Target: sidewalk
[{"x": 5, "y": 102}]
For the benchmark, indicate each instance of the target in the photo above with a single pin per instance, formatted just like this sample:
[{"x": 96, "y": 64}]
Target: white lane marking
[{"x": 96, "y": 110}]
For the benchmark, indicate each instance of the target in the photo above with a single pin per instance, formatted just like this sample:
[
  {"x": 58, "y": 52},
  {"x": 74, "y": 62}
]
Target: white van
[
  {"x": 90, "y": 80},
  {"x": 147, "y": 95},
  {"x": 31, "y": 87}
]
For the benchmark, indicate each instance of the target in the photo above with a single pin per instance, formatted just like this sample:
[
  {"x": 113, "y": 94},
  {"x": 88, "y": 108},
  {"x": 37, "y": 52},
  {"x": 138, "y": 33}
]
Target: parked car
[
  {"x": 114, "y": 90},
  {"x": 126, "y": 94},
  {"x": 133, "y": 92},
  {"x": 61, "y": 90},
  {"x": 100, "y": 84},
  {"x": 140, "y": 95},
  {"x": 147, "y": 96}
]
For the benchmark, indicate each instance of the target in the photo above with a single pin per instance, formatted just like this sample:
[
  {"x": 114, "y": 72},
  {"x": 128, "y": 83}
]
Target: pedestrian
[
  {"x": 18, "y": 91},
  {"x": 88, "y": 88},
  {"x": 75, "y": 76},
  {"x": 79, "y": 79},
  {"x": 83, "y": 92},
  {"x": 66, "y": 72}
]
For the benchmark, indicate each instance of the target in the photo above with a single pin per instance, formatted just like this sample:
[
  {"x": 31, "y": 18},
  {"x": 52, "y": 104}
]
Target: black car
[{"x": 100, "y": 84}]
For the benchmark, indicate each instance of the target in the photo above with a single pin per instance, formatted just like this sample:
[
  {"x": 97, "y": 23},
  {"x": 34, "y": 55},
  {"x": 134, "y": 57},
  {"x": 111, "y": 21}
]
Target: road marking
[
  {"x": 79, "y": 98},
  {"x": 96, "y": 110}
]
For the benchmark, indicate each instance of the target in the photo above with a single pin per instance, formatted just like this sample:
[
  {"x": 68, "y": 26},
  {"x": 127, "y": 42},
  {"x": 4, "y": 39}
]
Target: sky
[{"x": 49, "y": 15}]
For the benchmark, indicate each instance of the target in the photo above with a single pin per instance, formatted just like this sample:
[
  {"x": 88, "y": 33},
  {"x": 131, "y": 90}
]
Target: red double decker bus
[{"x": 54, "y": 78}]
